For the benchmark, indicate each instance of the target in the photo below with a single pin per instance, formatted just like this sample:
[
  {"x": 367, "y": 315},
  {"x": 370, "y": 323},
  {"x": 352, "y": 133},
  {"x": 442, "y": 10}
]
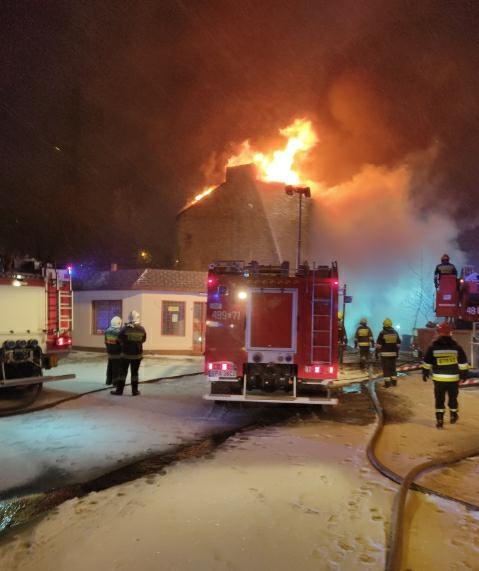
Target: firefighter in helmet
[
  {"x": 364, "y": 339},
  {"x": 342, "y": 336},
  {"x": 446, "y": 361},
  {"x": 387, "y": 345},
  {"x": 445, "y": 268},
  {"x": 132, "y": 336},
  {"x": 113, "y": 350}
]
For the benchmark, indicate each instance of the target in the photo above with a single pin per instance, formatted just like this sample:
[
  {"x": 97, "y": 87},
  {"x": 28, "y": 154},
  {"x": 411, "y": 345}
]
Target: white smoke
[{"x": 386, "y": 250}]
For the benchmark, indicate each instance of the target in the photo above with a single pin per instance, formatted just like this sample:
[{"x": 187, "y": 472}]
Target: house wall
[
  {"x": 242, "y": 219},
  {"x": 149, "y": 305}
]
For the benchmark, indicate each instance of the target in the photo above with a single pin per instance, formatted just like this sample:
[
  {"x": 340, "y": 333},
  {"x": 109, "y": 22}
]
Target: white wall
[{"x": 148, "y": 304}]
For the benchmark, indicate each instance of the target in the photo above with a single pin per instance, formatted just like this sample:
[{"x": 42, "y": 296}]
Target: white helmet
[
  {"x": 116, "y": 322},
  {"x": 134, "y": 317}
]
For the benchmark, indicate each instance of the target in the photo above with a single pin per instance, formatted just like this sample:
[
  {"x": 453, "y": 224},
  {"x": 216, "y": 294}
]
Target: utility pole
[{"x": 300, "y": 191}]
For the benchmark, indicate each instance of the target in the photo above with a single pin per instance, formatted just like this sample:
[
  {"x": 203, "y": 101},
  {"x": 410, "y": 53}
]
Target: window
[
  {"x": 173, "y": 318},
  {"x": 103, "y": 311}
]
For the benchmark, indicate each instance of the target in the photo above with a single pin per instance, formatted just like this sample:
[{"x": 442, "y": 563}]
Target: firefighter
[
  {"x": 113, "y": 349},
  {"x": 342, "y": 337},
  {"x": 132, "y": 336},
  {"x": 443, "y": 269},
  {"x": 387, "y": 345},
  {"x": 447, "y": 362},
  {"x": 364, "y": 339}
]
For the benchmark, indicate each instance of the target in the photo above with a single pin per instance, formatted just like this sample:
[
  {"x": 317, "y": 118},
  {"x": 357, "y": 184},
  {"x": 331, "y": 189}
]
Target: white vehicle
[{"x": 36, "y": 310}]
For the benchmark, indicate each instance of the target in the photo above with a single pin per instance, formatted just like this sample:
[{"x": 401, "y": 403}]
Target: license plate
[{"x": 224, "y": 374}]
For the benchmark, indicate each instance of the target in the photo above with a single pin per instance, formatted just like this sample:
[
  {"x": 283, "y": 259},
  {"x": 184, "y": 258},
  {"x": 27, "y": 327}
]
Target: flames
[{"x": 280, "y": 165}]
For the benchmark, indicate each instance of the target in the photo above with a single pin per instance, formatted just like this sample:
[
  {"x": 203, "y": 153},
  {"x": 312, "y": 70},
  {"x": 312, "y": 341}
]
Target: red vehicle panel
[
  {"x": 271, "y": 333},
  {"x": 271, "y": 319}
]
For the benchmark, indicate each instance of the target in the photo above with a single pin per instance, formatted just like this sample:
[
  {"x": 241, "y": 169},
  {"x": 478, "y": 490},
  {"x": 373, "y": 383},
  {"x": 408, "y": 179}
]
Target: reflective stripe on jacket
[
  {"x": 445, "y": 359},
  {"x": 364, "y": 336},
  {"x": 388, "y": 342}
]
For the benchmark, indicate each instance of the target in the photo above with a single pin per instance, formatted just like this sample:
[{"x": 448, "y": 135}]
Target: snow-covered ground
[{"x": 301, "y": 495}]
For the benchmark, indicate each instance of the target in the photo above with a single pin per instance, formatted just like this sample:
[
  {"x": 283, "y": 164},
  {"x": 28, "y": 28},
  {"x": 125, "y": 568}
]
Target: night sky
[{"x": 114, "y": 113}]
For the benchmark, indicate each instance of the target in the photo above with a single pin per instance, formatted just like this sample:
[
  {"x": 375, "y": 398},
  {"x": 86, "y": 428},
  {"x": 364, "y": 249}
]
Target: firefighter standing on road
[
  {"x": 342, "y": 337},
  {"x": 364, "y": 339},
  {"x": 446, "y": 361},
  {"x": 113, "y": 349},
  {"x": 445, "y": 268},
  {"x": 387, "y": 345},
  {"x": 132, "y": 336}
]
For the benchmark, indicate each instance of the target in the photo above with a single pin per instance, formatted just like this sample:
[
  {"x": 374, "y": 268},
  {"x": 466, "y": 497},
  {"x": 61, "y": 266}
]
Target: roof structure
[{"x": 142, "y": 279}]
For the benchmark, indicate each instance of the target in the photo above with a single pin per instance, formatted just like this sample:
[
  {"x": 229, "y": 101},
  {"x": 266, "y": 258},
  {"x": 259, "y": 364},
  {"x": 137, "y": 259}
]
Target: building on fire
[{"x": 243, "y": 218}]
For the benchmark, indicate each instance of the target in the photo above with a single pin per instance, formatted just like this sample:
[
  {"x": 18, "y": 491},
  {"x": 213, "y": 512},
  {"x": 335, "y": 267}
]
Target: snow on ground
[
  {"x": 84, "y": 438},
  {"x": 297, "y": 496}
]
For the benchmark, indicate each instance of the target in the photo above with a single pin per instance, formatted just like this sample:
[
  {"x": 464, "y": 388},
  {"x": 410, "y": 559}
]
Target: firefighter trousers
[
  {"x": 443, "y": 388},
  {"x": 114, "y": 370},
  {"x": 134, "y": 366},
  {"x": 364, "y": 356}
]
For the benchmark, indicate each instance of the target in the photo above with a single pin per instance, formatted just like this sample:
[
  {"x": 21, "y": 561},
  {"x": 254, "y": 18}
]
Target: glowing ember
[
  {"x": 203, "y": 193},
  {"x": 280, "y": 165}
]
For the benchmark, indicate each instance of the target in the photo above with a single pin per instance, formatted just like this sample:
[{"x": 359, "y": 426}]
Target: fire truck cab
[
  {"x": 36, "y": 322},
  {"x": 271, "y": 336}
]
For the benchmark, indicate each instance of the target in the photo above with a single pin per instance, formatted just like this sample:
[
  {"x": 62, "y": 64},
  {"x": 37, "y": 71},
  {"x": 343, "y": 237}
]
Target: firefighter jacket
[
  {"x": 444, "y": 270},
  {"x": 132, "y": 336},
  {"x": 342, "y": 336},
  {"x": 388, "y": 342},
  {"x": 446, "y": 360},
  {"x": 363, "y": 336},
  {"x": 112, "y": 342}
]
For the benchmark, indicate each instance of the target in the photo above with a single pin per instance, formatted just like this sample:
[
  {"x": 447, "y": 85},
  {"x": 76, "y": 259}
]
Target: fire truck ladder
[
  {"x": 62, "y": 284},
  {"x": 317, "y": 318}
]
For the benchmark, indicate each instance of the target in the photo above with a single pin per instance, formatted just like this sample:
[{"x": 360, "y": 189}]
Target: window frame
[
  {"x": 181, "y": 313},
  {"x": 112, "y": 311}
]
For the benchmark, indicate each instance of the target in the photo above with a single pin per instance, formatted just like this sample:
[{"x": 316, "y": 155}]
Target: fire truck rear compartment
[{"x": 269, "y": 377}]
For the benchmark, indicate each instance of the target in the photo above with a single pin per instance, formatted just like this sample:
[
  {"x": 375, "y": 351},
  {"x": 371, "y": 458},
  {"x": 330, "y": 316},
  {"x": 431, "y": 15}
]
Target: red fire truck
[
  {"x": 272, "y": 336},
  {"x": 36, "y": 318}
]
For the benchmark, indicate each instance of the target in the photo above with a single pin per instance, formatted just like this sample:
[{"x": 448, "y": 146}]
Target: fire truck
[
  {"x": 272, "y": 336},
  {"x": 36, "y": 318},
  {"x": 457, "y": 301}
]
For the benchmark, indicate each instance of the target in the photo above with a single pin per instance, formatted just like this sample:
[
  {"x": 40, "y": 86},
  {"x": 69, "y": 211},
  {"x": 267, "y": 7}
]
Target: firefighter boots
[
  {"x": 387, "y": 383},
  {"x": 454, "y": 416},
  {"x": 134, "y": 389},
  {"x": 394, "y": 381},
  {"x": 116, "y": 393},
  {"x": 439, "y": 419}
]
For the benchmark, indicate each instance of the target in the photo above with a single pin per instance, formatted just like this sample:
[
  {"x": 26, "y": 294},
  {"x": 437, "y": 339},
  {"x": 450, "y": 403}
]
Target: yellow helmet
[
  {"x": 340, "y": 314},
  {"x": 387, "y": 322},
  {"x": 363, "y": 321}
]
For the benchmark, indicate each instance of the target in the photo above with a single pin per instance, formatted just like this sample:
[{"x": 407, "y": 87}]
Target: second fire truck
[{"x": 272, "y": 335}]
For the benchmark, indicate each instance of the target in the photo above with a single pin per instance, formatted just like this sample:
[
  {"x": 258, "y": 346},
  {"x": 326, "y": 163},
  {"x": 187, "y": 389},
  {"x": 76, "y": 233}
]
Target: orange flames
[{"x": 280, "y": 165}]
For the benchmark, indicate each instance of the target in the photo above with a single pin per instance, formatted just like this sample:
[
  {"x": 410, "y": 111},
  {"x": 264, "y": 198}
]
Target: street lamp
[{"x": 300, "y": 191}]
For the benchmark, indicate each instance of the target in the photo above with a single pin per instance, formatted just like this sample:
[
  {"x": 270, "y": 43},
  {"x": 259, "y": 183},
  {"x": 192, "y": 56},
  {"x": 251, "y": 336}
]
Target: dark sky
[{"x": 113, "y": 113}]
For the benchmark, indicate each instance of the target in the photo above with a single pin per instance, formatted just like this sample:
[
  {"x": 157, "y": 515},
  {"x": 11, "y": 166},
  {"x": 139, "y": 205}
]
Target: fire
[
  {"x": 203, "y": 193},
  {"x": 280, "y": 165}
]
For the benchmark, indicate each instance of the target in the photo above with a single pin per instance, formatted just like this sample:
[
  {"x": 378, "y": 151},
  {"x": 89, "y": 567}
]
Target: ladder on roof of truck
[{"x": 321, "y": 321}]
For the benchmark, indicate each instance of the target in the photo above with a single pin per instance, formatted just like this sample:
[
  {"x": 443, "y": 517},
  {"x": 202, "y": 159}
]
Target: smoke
[
  {"x": 386, "y": 248},
  {"x": 139, "y": 95}
]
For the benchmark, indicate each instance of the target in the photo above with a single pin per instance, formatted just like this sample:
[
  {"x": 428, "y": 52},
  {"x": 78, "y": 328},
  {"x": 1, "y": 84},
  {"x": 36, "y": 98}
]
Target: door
[{"x": 199, "y": 324}]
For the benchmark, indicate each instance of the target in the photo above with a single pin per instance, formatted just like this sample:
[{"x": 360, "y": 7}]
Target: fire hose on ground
[{"x": 394, "y": 555}]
